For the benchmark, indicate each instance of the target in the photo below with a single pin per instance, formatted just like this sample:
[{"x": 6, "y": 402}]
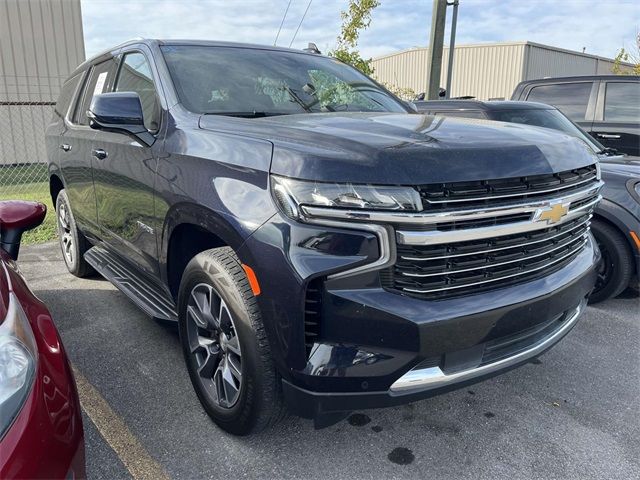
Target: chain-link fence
[{"x": 23, "y": 167}]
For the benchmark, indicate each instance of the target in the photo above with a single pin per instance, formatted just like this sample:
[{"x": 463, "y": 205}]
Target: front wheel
[
  {"x": 616, "y": 267},
  {"x": 225, "y": 345}
]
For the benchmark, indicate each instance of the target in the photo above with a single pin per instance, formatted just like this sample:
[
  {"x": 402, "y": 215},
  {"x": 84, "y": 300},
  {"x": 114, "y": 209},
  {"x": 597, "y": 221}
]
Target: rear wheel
[
  {"x": 72, "y": 242},
  {"x": 616, "y": 267},
  {"x": 225, "y": 346}
]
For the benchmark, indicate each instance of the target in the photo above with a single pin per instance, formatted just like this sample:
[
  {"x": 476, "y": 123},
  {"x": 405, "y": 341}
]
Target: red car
[{"x": 41, "y": 432}]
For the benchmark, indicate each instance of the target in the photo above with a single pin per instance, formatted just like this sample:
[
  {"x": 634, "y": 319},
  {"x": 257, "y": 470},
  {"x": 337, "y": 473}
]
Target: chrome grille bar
[
  {"x": 503, "y": 277},
  {"x": 498, "y": 264},
  {"x": 480, "y": 252},
  {"x": 425, "y": 218},
  {"x": 434, "y": 237}
]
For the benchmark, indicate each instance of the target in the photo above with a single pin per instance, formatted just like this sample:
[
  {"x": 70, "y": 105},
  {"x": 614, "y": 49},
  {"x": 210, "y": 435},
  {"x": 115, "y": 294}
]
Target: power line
[
  {"x": 282, "y": 23},
  {"x": 300, "y": 24}
]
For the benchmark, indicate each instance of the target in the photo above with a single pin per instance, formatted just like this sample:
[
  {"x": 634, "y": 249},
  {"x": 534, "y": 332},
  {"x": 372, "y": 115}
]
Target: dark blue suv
[{"x": 320, "y": 246}]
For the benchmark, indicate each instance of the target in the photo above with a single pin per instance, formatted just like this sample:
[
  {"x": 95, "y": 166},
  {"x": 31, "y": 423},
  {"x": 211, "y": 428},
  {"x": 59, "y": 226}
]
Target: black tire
[
  {"x": 72, "y": 242},
  {"x": 616, "y": 267},
  {"x": 258, "y": 400}
]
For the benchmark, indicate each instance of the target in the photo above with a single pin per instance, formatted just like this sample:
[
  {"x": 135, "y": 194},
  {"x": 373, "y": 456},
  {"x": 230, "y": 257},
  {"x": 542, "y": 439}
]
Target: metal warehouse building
[
  {"x": 488, "y": 71},
  {"x": 41, "y": 42}
]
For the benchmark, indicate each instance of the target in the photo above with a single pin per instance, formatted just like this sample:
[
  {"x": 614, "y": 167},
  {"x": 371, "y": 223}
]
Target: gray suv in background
[{"x": 605, "y": 106}]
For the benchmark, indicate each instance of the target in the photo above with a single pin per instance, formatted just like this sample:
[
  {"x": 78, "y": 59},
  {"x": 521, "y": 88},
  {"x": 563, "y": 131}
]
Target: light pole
[
  {"x": 436, "y": 41},
  {"x": 452, "y": 46}
]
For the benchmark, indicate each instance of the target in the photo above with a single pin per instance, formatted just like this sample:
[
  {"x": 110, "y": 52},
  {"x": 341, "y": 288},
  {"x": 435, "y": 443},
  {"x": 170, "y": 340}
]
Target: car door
[
  {"x": 125, "y": 168},
  {"x": 617, "y": 122},
  {"x": 576, "y": 99},
  {"x": 75, "y": 143}
]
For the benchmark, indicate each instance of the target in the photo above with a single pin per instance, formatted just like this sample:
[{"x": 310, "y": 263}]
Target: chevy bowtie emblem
[{"x": 552, "y": 213}]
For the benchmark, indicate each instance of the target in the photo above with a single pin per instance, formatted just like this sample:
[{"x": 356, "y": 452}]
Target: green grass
[{"x": 37, "y": 192}]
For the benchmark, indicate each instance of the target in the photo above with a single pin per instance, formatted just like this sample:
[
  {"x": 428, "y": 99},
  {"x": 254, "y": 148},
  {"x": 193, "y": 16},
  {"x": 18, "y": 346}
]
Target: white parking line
[{"x": 113, "y": 429}]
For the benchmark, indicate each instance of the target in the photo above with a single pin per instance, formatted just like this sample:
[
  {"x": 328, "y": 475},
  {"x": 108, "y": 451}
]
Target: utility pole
[
  {"x": 452, "y": 46},
  {"x": 436, "y": 43}
]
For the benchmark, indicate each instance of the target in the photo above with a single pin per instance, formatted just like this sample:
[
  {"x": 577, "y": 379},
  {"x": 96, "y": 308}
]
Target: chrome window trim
[{"x": 423, "y": 379}]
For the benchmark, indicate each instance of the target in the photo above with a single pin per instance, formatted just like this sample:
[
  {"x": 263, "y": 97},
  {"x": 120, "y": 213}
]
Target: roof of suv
[
  {"x": 480, "y": 105},
  {"x": 176, "y": 42},
  {"x": 635, "y": 78}
]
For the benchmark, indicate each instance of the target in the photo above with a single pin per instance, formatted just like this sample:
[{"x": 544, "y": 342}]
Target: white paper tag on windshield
[{"x": 100, "y": 83}]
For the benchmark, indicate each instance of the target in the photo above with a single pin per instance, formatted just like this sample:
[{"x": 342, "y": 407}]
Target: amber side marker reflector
[
  {"x": 634, "y": 235},
  {"x": 253, "y": 280}
]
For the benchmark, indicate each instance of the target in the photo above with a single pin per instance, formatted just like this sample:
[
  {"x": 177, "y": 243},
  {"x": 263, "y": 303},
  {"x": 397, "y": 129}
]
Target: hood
[{"x": 388, "y": 148}]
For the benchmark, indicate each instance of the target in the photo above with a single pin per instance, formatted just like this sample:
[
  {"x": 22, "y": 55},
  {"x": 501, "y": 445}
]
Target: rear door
[
  {"x": 617, "y": 122},
  {"x": 124, "y": 171},
  {"x": 75, "y": 149},
  {"x": 576, "y": 99}
]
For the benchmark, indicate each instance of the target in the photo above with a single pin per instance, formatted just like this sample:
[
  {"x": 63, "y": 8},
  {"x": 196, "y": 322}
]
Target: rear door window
[
  {"x": 622, "y": 102},
  {"x": 571, "y": 99}
]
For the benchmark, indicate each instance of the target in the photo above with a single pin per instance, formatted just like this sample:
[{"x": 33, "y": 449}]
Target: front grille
[
  {"x": 490, "y": 193},
  {"x": 446, "y": 270}
]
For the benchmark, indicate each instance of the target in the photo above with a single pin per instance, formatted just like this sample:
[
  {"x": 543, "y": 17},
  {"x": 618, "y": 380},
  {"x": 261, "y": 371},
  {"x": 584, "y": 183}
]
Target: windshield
[
  {"x": 547, "y": 118},
  {"x": 255, "y": 82}
]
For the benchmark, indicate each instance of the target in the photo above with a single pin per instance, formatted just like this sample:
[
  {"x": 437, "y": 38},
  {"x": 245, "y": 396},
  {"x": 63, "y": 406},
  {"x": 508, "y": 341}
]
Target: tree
[
  {"x": 355, "y": 19},
  {"x": 626, "y": 56}
]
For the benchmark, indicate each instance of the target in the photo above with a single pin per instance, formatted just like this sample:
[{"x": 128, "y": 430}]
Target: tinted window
[
  {"x": 225, "y": 80},
  {"x": 66, "y": 95},
  {"x": 570, "y": 98},
  {"x": 622, "y": 102},
  {"x": 459, "y": 113},
  {"x": 97, "y": 84},
  {"x": 135, "y": 76},
  {"x": 546, "y": 118}
]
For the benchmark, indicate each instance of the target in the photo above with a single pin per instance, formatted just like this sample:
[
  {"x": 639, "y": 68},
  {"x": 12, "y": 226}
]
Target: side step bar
[{"x": 151, "y": 298}]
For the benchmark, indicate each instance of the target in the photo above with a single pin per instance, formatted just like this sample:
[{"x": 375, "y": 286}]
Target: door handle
[
  {"x": 65, "y": 146},
  {"x": 609, "y": 136},
  {"x": 99, "y": 153}
]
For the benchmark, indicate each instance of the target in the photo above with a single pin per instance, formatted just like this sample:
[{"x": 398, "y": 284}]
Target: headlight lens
[
  {"x": 290, "y": 194},
  {"x": 18, "y": 356}
]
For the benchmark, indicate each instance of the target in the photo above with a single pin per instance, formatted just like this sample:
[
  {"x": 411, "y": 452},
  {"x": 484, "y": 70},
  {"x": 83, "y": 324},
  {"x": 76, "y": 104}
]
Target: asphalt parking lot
[{"x": 571, "y": 414}]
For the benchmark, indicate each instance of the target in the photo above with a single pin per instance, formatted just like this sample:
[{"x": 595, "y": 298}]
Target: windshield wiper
[
  {"x": 247, "y": 114},
  {"x": 296, "y": 98}
]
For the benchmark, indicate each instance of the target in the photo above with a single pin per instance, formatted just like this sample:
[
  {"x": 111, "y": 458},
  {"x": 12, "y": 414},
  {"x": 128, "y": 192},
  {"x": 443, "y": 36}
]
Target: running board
[{"x": 152, "y": 299}]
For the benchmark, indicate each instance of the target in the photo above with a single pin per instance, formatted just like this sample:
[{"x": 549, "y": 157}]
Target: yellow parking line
[{"x": 115, "y": 432}]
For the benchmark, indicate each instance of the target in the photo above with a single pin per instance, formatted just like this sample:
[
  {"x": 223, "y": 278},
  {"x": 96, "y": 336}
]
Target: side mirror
[
  {"x": 119, "y": 112},
  {"x": 411, "y": 106},
  {"x": 16, "y": 217}
]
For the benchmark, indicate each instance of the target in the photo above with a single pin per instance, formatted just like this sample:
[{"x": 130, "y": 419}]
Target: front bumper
[{"x": 377, "y": 348}]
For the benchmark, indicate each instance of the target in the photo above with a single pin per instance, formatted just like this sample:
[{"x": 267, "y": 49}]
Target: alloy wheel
[
  {"x": 605, "y": 268},
  {"x": 66, "y": 239},
  {"x": 214, "y": 345}
]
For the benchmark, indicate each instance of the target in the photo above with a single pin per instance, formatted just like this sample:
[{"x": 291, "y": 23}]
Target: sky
[{"x": 600, "y": 27}]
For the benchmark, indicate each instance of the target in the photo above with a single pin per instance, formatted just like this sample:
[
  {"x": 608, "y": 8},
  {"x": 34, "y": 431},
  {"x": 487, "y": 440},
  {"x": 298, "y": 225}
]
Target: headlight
[
  {"x": 18, "y": 357},
  {"x": 290, "y": 194}
]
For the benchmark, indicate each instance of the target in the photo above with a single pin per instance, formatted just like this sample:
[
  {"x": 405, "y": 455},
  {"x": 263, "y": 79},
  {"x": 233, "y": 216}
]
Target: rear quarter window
[
  {"x": 66, "y": 95},
  {"x": 571, "y": 99}
]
